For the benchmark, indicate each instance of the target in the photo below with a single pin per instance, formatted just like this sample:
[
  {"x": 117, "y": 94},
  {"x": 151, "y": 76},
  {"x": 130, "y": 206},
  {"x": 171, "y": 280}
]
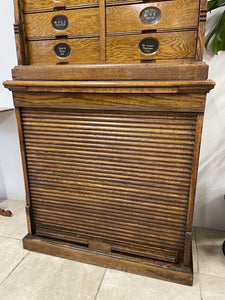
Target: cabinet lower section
[
  {"x": 110, "y": 172},
  {"x": 112, "y": 182},
  {"x": 147, "y": 267}
]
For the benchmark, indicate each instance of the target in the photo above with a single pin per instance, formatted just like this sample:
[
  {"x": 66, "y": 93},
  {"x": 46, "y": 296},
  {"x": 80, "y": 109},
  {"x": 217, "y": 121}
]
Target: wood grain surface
[
  {"x": 81, "y": 21},
  {"x": 85, "y": 50},
  {"x": 110, "y": 137},
  {"x": 159, "y": 145},
  {"x": 180, "y": 31},
  {"x": 147, "y": 71},
  {"x": 40, "y": 5},
  {"x": 171, "y": 45},
  {"x": 147, "y": 267},
  {"x": 174, "y": 14},
  {"x": 161, "y": 101}
]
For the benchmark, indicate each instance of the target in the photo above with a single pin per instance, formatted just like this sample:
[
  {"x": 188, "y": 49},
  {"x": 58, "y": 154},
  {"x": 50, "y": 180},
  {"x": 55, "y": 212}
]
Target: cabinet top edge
[{"x": 145, "y": 71}]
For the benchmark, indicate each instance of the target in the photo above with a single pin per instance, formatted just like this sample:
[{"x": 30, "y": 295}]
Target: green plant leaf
[
  {"x": 213, "y": 4},
  {"x": 210, "y": 36},
  {"x": 219, "y": 39},
  {"x": 221, "y": 29}
]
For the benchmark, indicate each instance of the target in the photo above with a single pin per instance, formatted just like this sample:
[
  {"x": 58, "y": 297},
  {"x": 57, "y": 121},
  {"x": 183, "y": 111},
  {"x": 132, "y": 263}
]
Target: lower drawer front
[
  {"x": 85, "y": 50},
  {"x": 172, "y": 45},
  {"x": 122, "y": 179}
]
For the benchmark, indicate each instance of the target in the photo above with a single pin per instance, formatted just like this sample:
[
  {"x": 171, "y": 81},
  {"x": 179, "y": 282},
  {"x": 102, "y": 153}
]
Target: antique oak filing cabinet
[{"x": 109, "y": 99}]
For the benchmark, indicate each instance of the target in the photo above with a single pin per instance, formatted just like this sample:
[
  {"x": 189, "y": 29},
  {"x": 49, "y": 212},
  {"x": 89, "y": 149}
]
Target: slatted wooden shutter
[{"x": 117, "y": 181}]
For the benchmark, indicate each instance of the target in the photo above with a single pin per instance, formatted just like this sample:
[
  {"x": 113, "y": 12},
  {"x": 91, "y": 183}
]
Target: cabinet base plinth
[{"x": 147, "y": 267}]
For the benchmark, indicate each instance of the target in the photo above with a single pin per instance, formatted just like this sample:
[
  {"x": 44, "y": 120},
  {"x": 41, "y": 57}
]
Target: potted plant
[{"x": 218, "y": 31}]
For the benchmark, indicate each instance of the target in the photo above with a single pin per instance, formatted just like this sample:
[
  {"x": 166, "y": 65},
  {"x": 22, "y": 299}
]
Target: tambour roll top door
[{"x": 118, "y": 179}]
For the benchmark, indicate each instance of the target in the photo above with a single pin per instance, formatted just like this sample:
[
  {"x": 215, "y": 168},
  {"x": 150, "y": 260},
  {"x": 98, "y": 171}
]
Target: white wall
[
  {"x": 11, "y": 179},
  {"x": 210, "y": 203}
]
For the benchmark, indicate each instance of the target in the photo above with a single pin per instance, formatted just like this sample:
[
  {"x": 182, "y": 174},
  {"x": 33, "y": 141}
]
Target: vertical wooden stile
[
  {"x": 19, "y": 33},
  {"x": 193, "y": 188},
  {"x": 201, "y": 29},
  {"x": 26, "y": 181},
  {"x": 102, "y": 16}
]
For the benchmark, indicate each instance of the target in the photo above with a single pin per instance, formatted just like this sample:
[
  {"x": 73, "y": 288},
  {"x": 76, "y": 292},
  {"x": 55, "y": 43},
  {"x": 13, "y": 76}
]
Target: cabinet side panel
[{"x": 26, "y": 180}]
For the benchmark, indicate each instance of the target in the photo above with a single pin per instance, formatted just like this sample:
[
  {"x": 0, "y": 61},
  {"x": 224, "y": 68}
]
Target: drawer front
[
  {"x": 171, "y": 45},
  {"x": 156, "y": 15},
  {"x": 73, "y": 22},
  {"x": 84, "y": 50},
  {"x": 30, "y": 5},
  {"x": 85, "y": 184}
]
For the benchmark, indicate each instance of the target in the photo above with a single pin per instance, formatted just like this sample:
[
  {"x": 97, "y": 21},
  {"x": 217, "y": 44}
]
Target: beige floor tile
[
  {"x": 11, "y": 254},
  {"x": 125, "y": 286},
  {"x": 194, "y": 252},
  {"x": 213, "y": 288},
  {"x": 210, "y": 254},
  {"x": 42, "y": 276},
  {"x": 14, "y": 226}
]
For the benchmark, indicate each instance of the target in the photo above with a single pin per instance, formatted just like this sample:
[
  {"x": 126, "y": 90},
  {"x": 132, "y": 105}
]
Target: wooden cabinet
[
  {"x": 109, "y": 32},
  {"x": 110, "y": 99}
]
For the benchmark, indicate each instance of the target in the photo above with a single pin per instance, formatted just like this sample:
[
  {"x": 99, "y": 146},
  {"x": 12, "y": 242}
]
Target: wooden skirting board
[{"x": 160, "y": 270}]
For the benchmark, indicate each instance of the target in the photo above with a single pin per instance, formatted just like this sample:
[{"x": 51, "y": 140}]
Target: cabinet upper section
[{"x": 54, "y": 32}]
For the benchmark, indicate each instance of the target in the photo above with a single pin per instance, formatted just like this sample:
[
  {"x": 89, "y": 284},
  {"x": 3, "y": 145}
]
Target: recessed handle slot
[
  {"x": 57, "y": 8},
  {"x": 60, "y": 37}
]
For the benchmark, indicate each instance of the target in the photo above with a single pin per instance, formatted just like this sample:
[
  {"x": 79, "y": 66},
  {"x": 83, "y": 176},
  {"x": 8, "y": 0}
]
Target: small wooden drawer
[
  {"x": 155, "y": 15},
  {"x": 67, "y": 22},
  {"x": 48, "y": 52},
  {"x": 31, "y": 5},
  {"x": 173, "y": 45}
]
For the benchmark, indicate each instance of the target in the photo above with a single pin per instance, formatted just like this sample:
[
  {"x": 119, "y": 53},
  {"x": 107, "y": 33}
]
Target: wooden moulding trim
[
  {"x": 201, "y": 29},
  {"x": 102, "y": 20},
  {"x": 156, "y": 269},
  {"x": 203, "y": 86},
  {"x": 192, "y": 191},
  {"x": 194, "y": 172},
  {"x": 19, "y": 33},
  {"x": 147, "y": 71},
  {"x": 23, "y": 156},
  {"x": 114, "y": 108}
]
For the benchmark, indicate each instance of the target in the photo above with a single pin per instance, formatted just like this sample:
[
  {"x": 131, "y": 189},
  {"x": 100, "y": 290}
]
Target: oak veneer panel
[
  {"x": 81, "y": 21},
  {"x": 176, "y": 101},
  {"x": 171, "y": 45},
  {"x": 147, "y": 71},
  {"x": 146, "y": 267},
  {"x": 120, "y": 2},
  {"x": 30, "y": 5},
  {"x": 114, "y": 203},
  {"x": 174, "y": 14},
  {"x": 82, "y": 51}
]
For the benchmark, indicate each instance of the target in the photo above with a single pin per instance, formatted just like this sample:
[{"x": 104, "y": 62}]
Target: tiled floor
[{"x": 27, "y": 275}]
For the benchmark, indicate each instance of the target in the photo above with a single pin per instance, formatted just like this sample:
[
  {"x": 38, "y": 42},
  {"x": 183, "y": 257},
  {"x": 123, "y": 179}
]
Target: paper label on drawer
[
  {"x": 60, "y": 22},
  {"x": 62, "y": 50},
  {"x": 149, "y": 46},
  {"x": 150, "y": 15}
]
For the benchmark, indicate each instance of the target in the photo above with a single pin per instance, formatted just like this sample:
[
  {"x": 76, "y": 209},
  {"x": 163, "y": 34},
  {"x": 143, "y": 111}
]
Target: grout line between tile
[
  {"x": 198, "y": 268},
  {"x": 100, "y": 284},
  {"x": 211, "y": 275},
  {"x": 10, "y": 237},
  {"x": 13, "y": 269},
  {"x": 196, "y": 245},
  {"x": 200, "y": 286}
]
